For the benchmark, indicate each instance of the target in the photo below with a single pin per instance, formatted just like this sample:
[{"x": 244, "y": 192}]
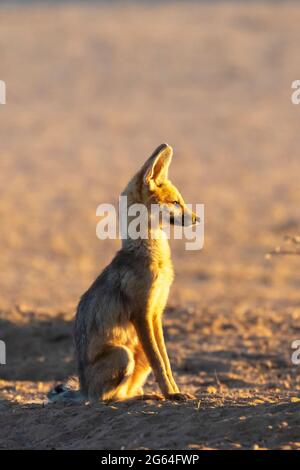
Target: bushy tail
[{"x": 65, "y": 393}]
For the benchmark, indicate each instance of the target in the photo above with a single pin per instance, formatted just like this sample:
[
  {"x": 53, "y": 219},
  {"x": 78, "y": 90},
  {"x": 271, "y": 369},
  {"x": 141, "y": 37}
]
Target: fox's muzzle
[{"x": 185, "y": 220}]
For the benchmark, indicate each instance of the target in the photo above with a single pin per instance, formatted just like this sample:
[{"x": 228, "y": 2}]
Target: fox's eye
[{"x": 176, "y": 203}]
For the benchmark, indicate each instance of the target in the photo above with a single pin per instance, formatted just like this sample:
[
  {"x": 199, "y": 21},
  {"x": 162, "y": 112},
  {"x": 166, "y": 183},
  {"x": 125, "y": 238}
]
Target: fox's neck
[{"x": 155, "y": 247}]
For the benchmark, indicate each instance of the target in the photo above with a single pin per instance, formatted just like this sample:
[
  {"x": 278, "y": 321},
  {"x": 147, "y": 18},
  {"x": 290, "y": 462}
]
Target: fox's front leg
[
  {"x": 160, "y": 340},
  {"x": 145, "y": 331},
  {"x": 159, "y": 334}
]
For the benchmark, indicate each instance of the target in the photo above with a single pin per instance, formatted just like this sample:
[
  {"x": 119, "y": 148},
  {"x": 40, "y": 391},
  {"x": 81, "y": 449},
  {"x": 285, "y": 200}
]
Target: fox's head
[{"x": 152, "y": 186}]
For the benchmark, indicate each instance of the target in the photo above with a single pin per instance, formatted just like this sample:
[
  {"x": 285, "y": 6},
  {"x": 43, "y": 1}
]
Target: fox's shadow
[{"x": 40, "y": 350}]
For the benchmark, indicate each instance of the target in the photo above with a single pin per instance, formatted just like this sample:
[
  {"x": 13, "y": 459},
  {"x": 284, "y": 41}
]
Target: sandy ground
[{"x": 90, "y": 92}]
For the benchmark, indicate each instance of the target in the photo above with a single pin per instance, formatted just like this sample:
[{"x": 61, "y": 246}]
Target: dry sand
[{"x": 91, "y": 90}]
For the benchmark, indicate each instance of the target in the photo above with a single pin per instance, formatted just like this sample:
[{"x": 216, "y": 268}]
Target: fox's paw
[
  {"x": 152, "y": 396},
  {"x": 180, "y": 396},
  {"x": 145, "y": 397},
  {"x": 148, "y": 396}
]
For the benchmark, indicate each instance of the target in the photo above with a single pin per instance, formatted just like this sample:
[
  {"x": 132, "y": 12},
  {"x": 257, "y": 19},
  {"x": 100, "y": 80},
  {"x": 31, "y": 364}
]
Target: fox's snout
[{"x": 186, "y": 219}]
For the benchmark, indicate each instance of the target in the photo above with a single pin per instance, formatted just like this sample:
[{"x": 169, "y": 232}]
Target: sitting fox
[{"x": 118, "y": 327}]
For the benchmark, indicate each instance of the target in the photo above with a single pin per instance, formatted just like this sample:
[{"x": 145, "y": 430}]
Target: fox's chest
[
  {"x": 161, "y": 272},
  {"x": 164, "y": 276},
  {"x": 159, "y": 291}
]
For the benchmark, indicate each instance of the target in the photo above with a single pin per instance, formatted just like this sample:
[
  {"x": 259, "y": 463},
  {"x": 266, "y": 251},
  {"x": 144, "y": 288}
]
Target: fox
[{"x": 118, "y": 332}]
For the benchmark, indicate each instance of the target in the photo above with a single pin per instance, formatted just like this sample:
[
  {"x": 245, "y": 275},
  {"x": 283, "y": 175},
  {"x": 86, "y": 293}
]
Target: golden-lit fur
[{"x": 118, "y": 327}]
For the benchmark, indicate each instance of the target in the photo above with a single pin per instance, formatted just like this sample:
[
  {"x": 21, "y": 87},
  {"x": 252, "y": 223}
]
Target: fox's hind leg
[
  {"x": 107, "y": 378},
  {"x": 139, "y": 376}
]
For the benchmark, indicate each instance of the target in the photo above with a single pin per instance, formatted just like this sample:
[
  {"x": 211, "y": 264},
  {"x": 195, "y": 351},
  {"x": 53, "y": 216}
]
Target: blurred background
[{"x": 93, "y": 88}]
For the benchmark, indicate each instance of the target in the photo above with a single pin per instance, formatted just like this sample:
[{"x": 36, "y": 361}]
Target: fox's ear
[{"x": 156, "y": 167}]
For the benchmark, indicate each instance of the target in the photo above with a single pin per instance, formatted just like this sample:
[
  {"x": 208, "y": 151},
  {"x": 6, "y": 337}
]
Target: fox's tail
[{"x": 65, "y": 393}]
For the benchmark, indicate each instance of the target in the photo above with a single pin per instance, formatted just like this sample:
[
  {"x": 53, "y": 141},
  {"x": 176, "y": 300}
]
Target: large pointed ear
[{"x": 156, "y": 167}]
